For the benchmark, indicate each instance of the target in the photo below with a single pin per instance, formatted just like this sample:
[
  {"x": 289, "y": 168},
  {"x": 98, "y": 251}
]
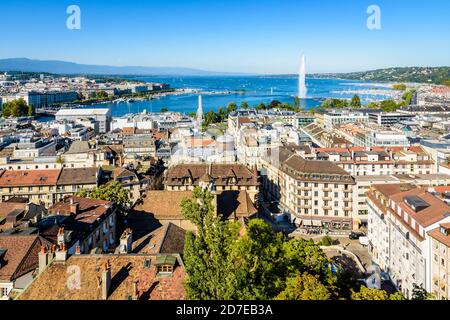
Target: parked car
[
  {"x": 364, "y": 241},
  {"x": 355, "y": 235}
]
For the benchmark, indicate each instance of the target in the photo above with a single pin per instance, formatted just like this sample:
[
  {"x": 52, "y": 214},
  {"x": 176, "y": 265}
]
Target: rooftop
[
  {"x": 126, "y": 270},
  {"x": 29, "y": 178},
  {"x": 82, "y": 112}
]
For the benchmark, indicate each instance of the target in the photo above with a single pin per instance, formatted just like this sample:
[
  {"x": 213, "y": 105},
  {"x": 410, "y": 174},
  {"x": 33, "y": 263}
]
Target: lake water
[{"x": 252, "y": 89}]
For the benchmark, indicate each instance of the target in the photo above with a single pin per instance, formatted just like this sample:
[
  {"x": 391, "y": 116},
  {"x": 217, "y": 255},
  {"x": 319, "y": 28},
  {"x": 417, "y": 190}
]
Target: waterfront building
[
  {"x": 43, "y": 99},
  {"x": 102, "y": 116}
]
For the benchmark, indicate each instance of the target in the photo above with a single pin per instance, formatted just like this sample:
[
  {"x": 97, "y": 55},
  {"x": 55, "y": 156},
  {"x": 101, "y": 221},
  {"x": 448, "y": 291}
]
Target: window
[
  {"x": 165, "y": 269},
  {"x": 4, "y": 292},
  {"x": 147, "y": 263}
]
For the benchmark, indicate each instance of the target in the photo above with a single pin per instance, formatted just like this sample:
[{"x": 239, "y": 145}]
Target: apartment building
[
  {"x": 46, "y": 186},
  {"x": 253, "y": 143},
  {"x": 440, "y": 264},
  {"x": 224, "y": 177},
  {"x": 361, "y": 161},
  {"x": 314, "y": 193},
  {"x": 102, "y": 116},
  {"x": 81, "y": 225},
  {"x": 363, "y": 184},
  {"x": 400, "y": 219}
]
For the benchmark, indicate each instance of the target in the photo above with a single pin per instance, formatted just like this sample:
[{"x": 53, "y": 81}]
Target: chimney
[
  {"x": 136, "y": 294},
  {"x": 43, "y": 259},
  {"x": 106, "y": 280},
  {"x": 61, "y": 254},
  {"x": 126, "y": 241},
  {"x": 73, "y": 207},
  {"x": 61, "y": 236}
]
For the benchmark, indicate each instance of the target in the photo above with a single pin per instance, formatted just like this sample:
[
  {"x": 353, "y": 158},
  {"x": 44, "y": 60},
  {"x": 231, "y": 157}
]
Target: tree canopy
[
  {"x": 112, "y": 191},
  {"x": 227, "y": 260},
  {"x": 304, "y": 287},
  {"x": 17, "y": 108},
  {"x": 356, "y": 102},
  {"x": 374, "y": 294}
]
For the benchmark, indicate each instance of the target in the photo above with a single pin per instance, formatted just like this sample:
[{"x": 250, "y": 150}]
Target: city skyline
[{"x": 231, "y": 37}]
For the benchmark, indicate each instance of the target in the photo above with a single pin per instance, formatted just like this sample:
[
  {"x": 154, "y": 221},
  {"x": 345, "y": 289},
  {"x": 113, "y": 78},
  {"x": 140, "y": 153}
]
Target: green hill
[{"x": 436, "y": 75}]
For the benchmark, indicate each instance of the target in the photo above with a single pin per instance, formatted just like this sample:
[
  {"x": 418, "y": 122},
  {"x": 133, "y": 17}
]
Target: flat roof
[
  {"x": 82, "y": 112},
  {"x": 376, "y": 178}
]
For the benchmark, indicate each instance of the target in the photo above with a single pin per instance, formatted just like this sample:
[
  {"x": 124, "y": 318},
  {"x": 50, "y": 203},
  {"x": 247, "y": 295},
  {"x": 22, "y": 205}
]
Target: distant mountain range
[
  {"x": 437, "y": 75},
  {"x": 71, "y": 68}
]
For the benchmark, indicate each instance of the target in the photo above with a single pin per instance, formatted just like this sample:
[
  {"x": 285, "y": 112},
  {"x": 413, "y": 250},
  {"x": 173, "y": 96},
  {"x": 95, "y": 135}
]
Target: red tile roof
[
  {"x": 23, "y": 178},
  {"x": 126, "y": 270},
  {"x": 21, "y": 255}
]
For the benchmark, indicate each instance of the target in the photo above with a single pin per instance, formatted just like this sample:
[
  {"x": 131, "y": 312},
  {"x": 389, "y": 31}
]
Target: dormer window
[
  {"x": 445, "y": 231},
  {"x": 165, "y": 265}
]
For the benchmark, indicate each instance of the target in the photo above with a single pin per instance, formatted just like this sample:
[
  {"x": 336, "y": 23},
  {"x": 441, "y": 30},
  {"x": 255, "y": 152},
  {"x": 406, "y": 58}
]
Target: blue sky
[{"x": 255, "y": 36}]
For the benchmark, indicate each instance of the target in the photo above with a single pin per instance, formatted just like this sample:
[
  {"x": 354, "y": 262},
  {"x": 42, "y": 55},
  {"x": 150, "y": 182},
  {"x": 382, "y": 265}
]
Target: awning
[
  {"x": 317, "y": 223},
  {"x": 307, "y": 223},
  {"x": 312, "y": 223}
]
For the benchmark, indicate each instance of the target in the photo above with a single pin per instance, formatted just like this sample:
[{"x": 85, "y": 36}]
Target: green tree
[
  {"x": 15, "y": 108},
  {"x": 389, "y": 106},
  {"x": 232, "y": 106},
  {"x": 261, "y": 106},
  {"x": 257, "y": 263},
  {"x": 296, "y": 103},
  {"x": 112, "y": 191},
  {"x": 304, "y": 287},
  {"x": 244, "y": 105},
  {"x": 164, "y": 110},
  {"x": 206, "y": 252},
  {"x": 419, "y": 293},
  {"x": 356, "y": 101},
  {"x": 400, "y": 87},
  {"x": 30, "y": 110},
  {"x": 102, "y": 94},
  {"x": 327, "y": 241},
  {"x": 370, "y": 294},
  {"x": 397, "y": 296}
]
